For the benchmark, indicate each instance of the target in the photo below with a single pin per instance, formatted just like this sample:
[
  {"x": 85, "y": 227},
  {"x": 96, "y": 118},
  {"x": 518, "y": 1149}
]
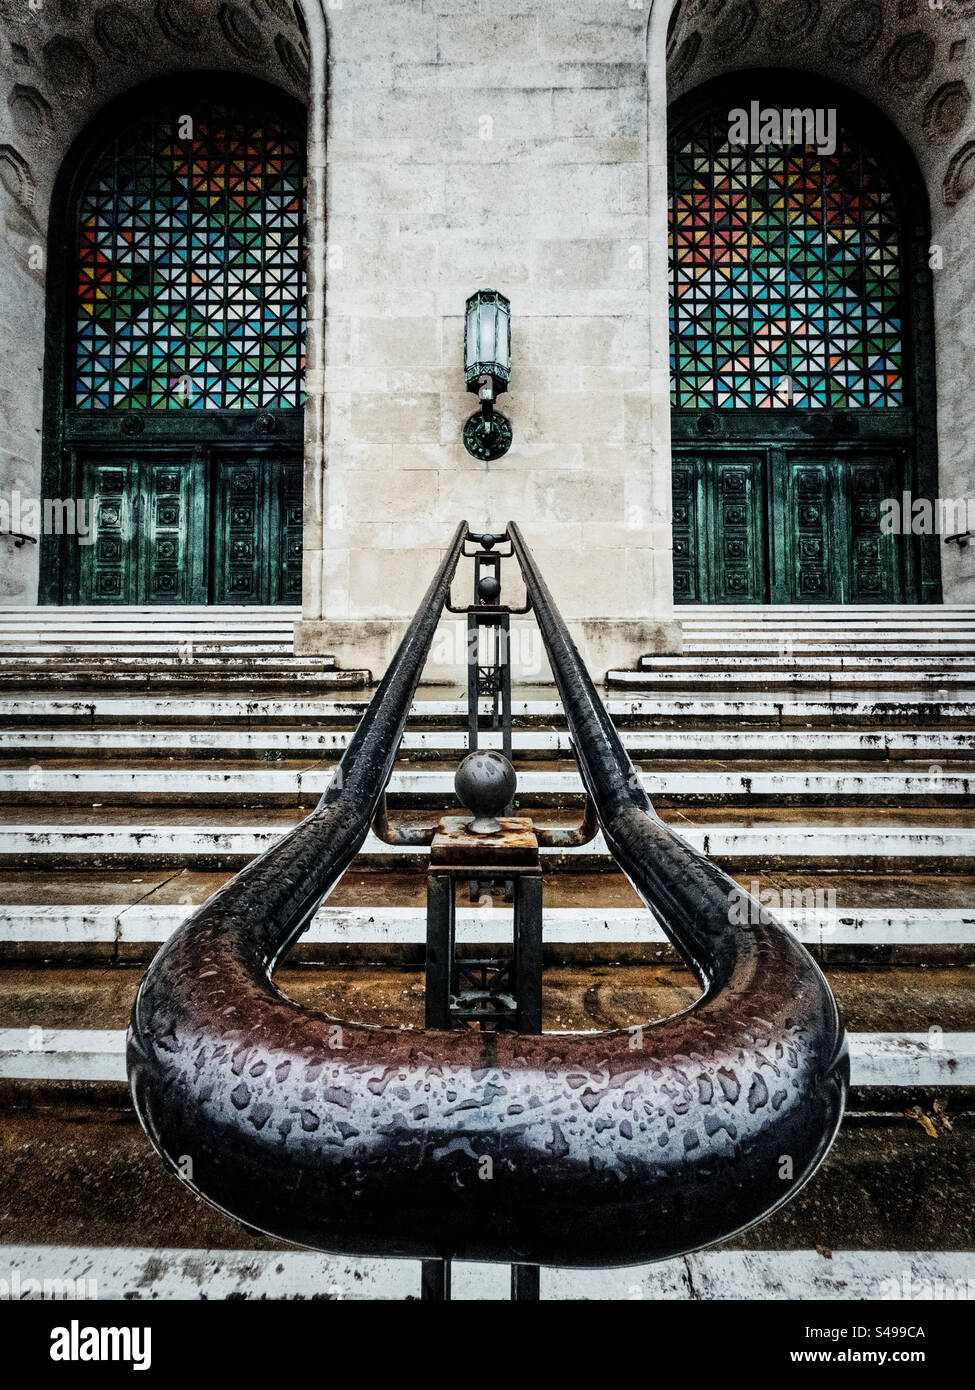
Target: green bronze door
[
  {"x": 719, "y": 504},
  {"x": 211, "y": 526},
  {"x": 789, "y": 522},
  {"x": 801, "y": 355},
  {"x": 832, "y": 549},
  {"x": 257, "y": 530},
  {"x": 146, "y": 543},
  {"x": 176, "y": 309}
]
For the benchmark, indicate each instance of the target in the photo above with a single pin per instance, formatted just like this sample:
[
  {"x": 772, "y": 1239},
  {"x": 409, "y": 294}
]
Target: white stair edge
[
  {"x": 657, "y": 742},
  {"x": 156, "y": 662},
  {"x": 756, "y": 706},
  {"x": 143, "y": 923},
  {"x": 140, "y": 647},
  {"x": 876, "y": 1059},
  {"x": 164, "y": 1273},
  {"x": 830, "y": 609},
  {"x": 113, "y": 611},
  {"x": 883, "y": 676},
  {"x": 245, "y": 782},
  {"x": 829, "y": 647},
  {"x": 787, "y": 662},
  {"x": 720, "y": 841}
]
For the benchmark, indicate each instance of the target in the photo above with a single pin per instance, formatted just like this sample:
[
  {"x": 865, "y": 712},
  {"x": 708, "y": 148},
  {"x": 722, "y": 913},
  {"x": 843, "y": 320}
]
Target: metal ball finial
[{"x": 485, "y": 783}]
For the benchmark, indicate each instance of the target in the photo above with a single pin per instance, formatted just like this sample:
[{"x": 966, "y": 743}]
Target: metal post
[
  {"x": 525, "y": 1282},
  {"x": 504, "y": 636},
  {"x": 528, "y": 951},
  {"x": 473, "y": 679},
  {"x": 441, "y": 918},
  {"x": 435, "y": 1281}
]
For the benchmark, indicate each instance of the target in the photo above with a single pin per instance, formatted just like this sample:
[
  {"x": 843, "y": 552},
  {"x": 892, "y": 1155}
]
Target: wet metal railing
[{"x": 564, "y": 1149}]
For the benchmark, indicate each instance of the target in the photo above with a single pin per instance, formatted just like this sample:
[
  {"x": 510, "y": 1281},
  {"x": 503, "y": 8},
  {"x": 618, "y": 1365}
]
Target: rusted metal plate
[{"x": 515, "y": 844}]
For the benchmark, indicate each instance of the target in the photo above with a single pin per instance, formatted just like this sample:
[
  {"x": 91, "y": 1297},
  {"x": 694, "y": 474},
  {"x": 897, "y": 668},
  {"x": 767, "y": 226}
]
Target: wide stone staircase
[
  {"x": 157, "y": 648},
  {"x": 825, "y": 757}
]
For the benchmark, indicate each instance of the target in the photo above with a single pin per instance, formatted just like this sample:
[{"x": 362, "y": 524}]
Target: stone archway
[
  {"x": 67, "y": 60},
  {"x": 916, "y": 64}
]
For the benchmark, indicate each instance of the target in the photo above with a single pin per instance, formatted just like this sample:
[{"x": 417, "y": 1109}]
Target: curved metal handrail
[{"x": 562, "y": 1149}]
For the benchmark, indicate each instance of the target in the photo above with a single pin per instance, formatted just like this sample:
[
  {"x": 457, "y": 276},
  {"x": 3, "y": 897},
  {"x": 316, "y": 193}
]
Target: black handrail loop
[{"x": 565, "y": 1149}]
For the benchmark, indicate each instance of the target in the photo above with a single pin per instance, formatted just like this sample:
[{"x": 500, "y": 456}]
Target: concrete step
[
  {"x": 785, "y": 709},
  {"x": 143, "y": 924},
  {"x": 842, "y": 612},
  {"x": 164, "y": 1273},
  {"x": 819, "y": 836},
  {"x": 875, "y": 627},
  {"x": 886, "y": 1187},
  {"x": 148, "y": 650},
  {"x": 153, "y": 674},
  {"x": 888, "y": 1060},
  {"x": 702, "y": 662},
  {"x": 47, "y": 784},
  {"x": 217, "y": 666},
  {"x": 787, "y": 645},
  {"x": 904, "y": 916},
  {"x": 155, "y": 743},
  {"x": 936, "y": 1000},
  {"x": 927, "y": 680}
]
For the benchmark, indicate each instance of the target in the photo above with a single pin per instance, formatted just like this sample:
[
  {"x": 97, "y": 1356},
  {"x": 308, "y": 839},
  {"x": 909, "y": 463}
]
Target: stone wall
[{"x": 500, "y": 146}]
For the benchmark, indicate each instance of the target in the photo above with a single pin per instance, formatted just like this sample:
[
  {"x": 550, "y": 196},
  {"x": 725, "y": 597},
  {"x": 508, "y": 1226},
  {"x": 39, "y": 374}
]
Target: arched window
[
  {"x": 190, "y": 275},
  {"x": 796, "y": 272},
  {"x": 178, "y": 312}
]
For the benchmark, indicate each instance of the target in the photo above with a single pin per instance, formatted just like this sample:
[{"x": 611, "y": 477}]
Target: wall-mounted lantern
[{"x": 487, "y": 367}]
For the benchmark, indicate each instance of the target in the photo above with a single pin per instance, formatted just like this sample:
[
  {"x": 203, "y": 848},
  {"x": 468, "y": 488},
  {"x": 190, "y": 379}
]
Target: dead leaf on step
[
  {"x": 925, "y": 1121},
  {"x": 942, "y": 1117},
  {"x": 825, "y": 1251}
]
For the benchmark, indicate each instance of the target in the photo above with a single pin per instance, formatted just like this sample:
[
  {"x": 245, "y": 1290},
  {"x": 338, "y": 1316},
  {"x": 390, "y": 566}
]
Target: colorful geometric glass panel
[
  {"x": 190, "y": 290},
  {"x": 786, "y": 285}
]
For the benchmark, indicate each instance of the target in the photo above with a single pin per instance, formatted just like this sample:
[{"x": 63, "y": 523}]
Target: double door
[
  {"x": 196, "y": 526},
  {"x": 769, "y": 524}
]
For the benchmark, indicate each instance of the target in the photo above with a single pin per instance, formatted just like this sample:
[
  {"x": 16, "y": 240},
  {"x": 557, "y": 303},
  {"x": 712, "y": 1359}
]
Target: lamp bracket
[{"x": 487, "y": 435}]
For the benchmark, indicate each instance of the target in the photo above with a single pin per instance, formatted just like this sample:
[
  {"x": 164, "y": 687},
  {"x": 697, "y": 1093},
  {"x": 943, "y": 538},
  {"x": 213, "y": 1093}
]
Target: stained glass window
[
  {"x": 786, "y": 284},
  {"x": 190, "y": 290}
]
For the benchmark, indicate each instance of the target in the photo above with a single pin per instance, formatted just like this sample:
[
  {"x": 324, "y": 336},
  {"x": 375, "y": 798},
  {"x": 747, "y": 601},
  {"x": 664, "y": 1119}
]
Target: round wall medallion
[
  {"x": 960, "y": 178},
  {"x": 133, "y": 425},
  {"x": 241, "y": 32},
  {"x": 67, "y": 65},
  {"x": 121, "y": 33},
  {"x": 684, "y": 58},
  {"x": 945, "y": 113},
  {"x": 181, "y": 21},
  {"x": 856, "y": 29},
  {"x": 910, "y": 61},
  {"x": 293, "y": 61},
  {"x": 31, "y": 113},
  {"x": 734, "y": 27},
  {"x": 794, "y": 20},
  {"x": 485, "y": 444}
]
